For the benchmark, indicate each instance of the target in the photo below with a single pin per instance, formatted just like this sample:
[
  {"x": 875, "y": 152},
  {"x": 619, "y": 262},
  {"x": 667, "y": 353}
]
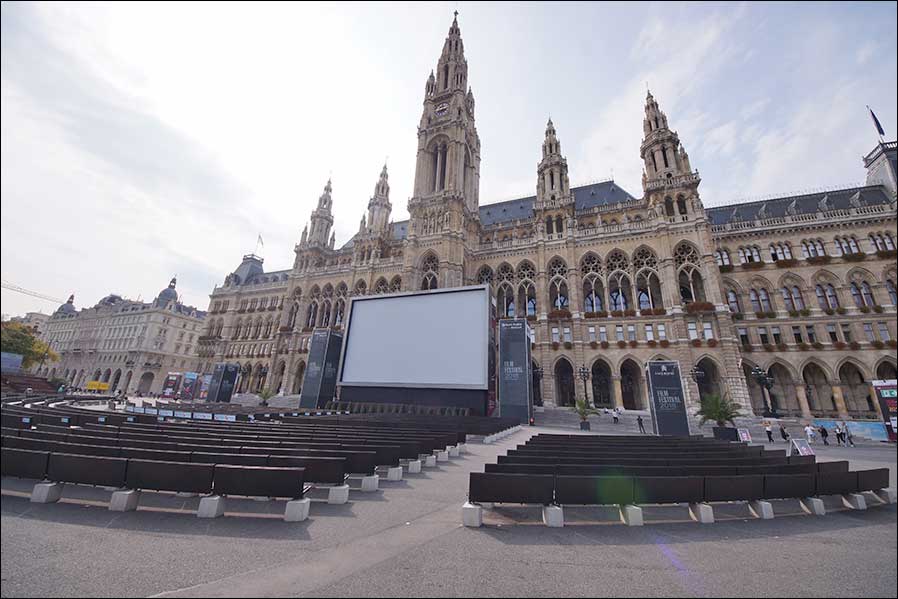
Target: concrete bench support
[
  {"x": 212, "y": 506},
  {"x": 631, "y": 515},
  {"x": 855, "y": 501},
  {"x": 471, "y": 515},
  {"x": 369, "y": 484},
  {"x": 413, "y": 466},
  {"x": 430, "y": 461},
  {"x": 462, "y": 448},
  {"x": 701, "y": 512},
  {"x": 553, "y": 516},
  {"x": 886, "y": 496},
  {"x": 297, "y": 510},
  {"x": 813, "y": 506},
  {"x": 442, "y": 456},
  {"x": 338, "y": 495},
  {"x": 124, "y": 500},
  {"x": 394, "y": 474},
  {"x": 186, "y": 495},
  {"x": 46, "y": 492},
  {"x": 761, "y": 509},
  {"x": 453, "y": 451}
]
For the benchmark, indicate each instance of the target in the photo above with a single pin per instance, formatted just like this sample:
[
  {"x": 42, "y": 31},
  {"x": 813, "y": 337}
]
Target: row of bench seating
[{"x": 556, "y": 470}]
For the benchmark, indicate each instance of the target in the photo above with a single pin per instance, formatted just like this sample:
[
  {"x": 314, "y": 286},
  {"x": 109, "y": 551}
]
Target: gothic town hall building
[{"x": 801, "y": 287}]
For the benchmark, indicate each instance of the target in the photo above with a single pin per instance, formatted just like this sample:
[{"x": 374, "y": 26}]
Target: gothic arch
[
  {"x": 830, "y": 376},
  {"x": 864, "y": 370},
  {"x": 425, "y": 256},
  {"x": 790, "y": 278},
  {"x": 563, "y": 374},
  {"x": 485, "y": 275},
  {"x": 885, "y": 368}
]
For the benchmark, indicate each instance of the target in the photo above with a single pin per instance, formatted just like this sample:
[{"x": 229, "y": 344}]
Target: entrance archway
[
  {"x": 783, "y": 394},
  {"x": 115, "y": 380},
  {"x": 709, "y": 382},
  {"x": 819, "y": 389},
  {"x": 297, "y": 379},
  {"x": 537, "y": 387},
  {"x": 855, "y": 390},
  {"x": 632, "y": 387},
  {"x": 279, "y": 377},
  {"x": 601, "y": 384},
  {"x": 564, "y": 383},
  {"x": 126, "y": 385},
  {"x": 146, "y": 381},
  {"x": 886, "y": 371}
]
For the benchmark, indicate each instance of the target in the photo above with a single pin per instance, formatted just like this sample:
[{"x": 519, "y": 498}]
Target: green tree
[
  {"x": 583, "y": 409},
  {"x": 16, "y": 338},
  {"x": 719, "y": 409}
]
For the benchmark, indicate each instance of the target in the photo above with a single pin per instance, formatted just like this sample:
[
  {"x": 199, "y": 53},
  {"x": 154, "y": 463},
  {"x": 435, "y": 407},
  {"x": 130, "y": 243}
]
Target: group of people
[{"x": 843, "y": 434}]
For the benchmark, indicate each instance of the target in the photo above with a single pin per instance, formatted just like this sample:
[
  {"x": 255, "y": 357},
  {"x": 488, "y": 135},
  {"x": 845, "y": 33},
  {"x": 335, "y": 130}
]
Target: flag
[{"x": 876, "y": 122}]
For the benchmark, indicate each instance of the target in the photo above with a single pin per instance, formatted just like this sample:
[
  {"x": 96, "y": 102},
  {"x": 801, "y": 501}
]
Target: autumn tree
[{"x": 19, "y": 339}]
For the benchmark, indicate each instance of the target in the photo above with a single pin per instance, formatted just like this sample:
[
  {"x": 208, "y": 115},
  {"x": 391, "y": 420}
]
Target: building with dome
[
  {"x": 798, "y": 288},
  {"x": 128, "y": 344}
]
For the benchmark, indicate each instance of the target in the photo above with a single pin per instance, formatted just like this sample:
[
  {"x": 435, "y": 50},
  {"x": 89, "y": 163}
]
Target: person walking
[
  {"x": 810, "y": 433},
  {"x": 849, "y": 438},
  {"x": 824, "y": 434},
  {"x": 839, "y": 434},
  {"x": 641, "y": 425},
  {"x": 784, "y": 434},
  {"x": 615, "y": 415},
  {"x": 769, "y": 430}
]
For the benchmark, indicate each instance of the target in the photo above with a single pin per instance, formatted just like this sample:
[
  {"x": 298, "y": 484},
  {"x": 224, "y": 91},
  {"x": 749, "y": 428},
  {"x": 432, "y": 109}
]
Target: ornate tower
[
  {"x": 379, "y": 206},
  {"x": 444, "y": 207},
  {"x": 322, "y": 219},
  {"x": 669, "y": 183},
  {"x": 554, "y": 206}
]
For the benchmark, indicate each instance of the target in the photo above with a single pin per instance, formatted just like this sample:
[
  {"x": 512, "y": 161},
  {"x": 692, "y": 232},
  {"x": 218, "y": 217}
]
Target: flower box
[
  {"x": 531, "y": 317},
  {"x": 771, "y": 314},
  {"x": 629, "y": 312},
  {"x": 617, "y": 313},
  {"x": 768, "y": 347},
  {"x": 594, "y": 344},
  {"x": 568, "y": 345},
  {"x": 726, "y": 268},
  {"x": 753, "y": 265},
  {"x": 590, "y": 315},
  {"x": 788, "y": 263},
  {"x": 818, "y": 259},
  {"x": 804, "y": 346},
  {"x": 840, "y": 310},
  {"x": 738, "y": 315},
  {"x": 892, "y": 343},
  {"x": 664, "y": 343},
  {"x": 696, "y": 343},
  {"x": 855, "y": 257},
  {"x": 604, "y": 344},
  {"x": 696, "y": 307},
  {"x": 633, "y": 343},
  {"x": 878, "y": 309},
  {"x": 887, "y": 253},
  {"x": 782, "y": 347},
  {"x": 760, "y": 314},
  {"x": 864, "y": 309},
  {"x": 854, "y": 345},
  {"x": 555, "y": 345},
  {"x": 558, "y": 314},
  {"x": 829, "y": 311},
  {"x": 622, "y": 344},
  {"x": 877, "y": 344},
  {"x": 659, "y": 311},
  {"x": 651, "y": 343},
  {"x": 712, "y": 342},
  {"x": 817, "y": 345},
  {"x": 794, "y": 313},
  {"x": 840, "y": 345},
  {"x": 805, "y": 312}
]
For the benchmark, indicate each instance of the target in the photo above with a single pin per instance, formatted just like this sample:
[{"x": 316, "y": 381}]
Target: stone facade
[
  {"x": 130, "y": 345},
  {"x": 607, "y": 279}
]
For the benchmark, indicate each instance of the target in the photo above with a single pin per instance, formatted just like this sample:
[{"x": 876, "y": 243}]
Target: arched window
[
  {"x": 668, "y": 203},
  {"x": 867, "y": 292},
  {"x": 559, "y": 224},
  {"x": 558, "y": 292},
  {"x": 852, "y": 244},
  {"x": 743, "y": 258},
  {"x": 733, "y": 302},
  {"x": 681, "y": 205},
  {"x": 396, "y": 284},
  {"x": 311, "y": 315},
  {"x": 593, "y": 293},
  {"x": 505, "y": 300},
  {"x": 485, "y": 275},
  {"x": 766, "y": 304},
  {"x": 549, "y": 225},
  {"x": 856, "y": 295},
  {"x": 890, "y": 287},
  {"x": 827, "y": 297},
  {"x": 722, "y": 257},
  {"x": 792, "y": 298},
  {"x": 430, "y": 267}
]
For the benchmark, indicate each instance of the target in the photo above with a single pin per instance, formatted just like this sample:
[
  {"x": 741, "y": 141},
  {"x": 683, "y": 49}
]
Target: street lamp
[
  {"x": 583, "y": 372},
  {"x": 765, "y": 381},
  {"x": 538, "y": 375},
  {"x": 697, "y": 374}
]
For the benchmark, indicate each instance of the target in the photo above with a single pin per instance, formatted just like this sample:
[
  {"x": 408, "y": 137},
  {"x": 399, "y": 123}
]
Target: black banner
[
  {"x": 668, "y": 403},
  {"x": 221, "y": 387},
  {"x": 515, "y": 378},
  {"x": 320, "y": 380}
]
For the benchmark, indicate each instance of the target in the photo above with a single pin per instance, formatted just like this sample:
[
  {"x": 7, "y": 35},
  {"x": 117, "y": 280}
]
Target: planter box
[
  {"x": 584, "y": 425},
  {"x": 725, "y": 433}
]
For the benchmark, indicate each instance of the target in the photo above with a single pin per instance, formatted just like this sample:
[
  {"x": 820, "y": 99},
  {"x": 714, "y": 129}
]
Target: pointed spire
[
  {"x": 71, "y": 299},
  {"x": 173, "y": 282}
]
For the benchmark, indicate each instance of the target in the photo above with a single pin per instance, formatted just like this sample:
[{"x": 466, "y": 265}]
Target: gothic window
[
  {"x": 505, "y": 300},
  {"x": 558, "y": 291},
  {"x": 827, "y": 297},
  {"x": 311, "y": 315},
  {"x": 396, "y": 284},
  {"x": 505, "y": 273},
  {"x": 681, "y": 205},
  {"x": 430, "y": 268},
  {"x": 237, "y": 326},
  {"x": 485, "y": 275},
  {"x": 890, "y": 287},
  {"x": 559, "y": 224},
  {"x": 792, "y": 298},
  {"x": 760, "y": 300},
  {"x": 326, "y": 313},
  {"x": 722, "y": 257},
  {"x": 664, "y": 156},
  {"x": 616, "y": 260},
  {"x": 549, "y": 225},
  {"x": 668, "y": 203},
  {"x": 360, "y": 288},
  {"x": 867, "y": 293},
  {"x": 593, "y": 293},
  {"x": 381, "y": 286},
  {"x": 733, "y": 302}
]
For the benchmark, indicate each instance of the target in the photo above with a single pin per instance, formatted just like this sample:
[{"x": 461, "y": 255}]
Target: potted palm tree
[
  {"x": 584, "y": 410},
  {"x": 265, "y": 395},
  {"x": 720, "y": 410}
]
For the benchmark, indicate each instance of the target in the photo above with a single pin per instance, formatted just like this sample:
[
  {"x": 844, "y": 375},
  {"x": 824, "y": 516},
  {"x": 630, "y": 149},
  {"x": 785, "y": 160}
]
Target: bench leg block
[
  {"x": 394, "y": 474},
  {"x": 885, "y": 495},
  {"x": 124, "y": 500},
  {"x": 186, "y": 495},
  {"x": 212, "y": 506},
  {"x": 338, "y": 495},
  {"x": 854, "y": 501},
  {"x": 462, "y": 448},
  {"x": 414, "y": 466},
  {"x": 453, "y": 451},
  {"x": 761, "y": 509},
  {"x": 46, "y": 492},
  {"x": 370, "y": 483},
  {"x": 631, "y": 515},
  {"x": 430, "y": 461},
  {"x": 553, "y": 516},
  {"x": 813, "y": 506},
  {"x": 471, "y": 515},
  {"x": 442, "y": 456},
  {"x": 701, "y": 512},
  {"x": 297, "y": 510}
]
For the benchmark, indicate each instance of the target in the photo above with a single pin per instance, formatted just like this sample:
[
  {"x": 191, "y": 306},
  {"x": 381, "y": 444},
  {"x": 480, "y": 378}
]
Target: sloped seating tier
[
  {"x": 154, "y": 475},
  {"x": 621, "y": 470}
]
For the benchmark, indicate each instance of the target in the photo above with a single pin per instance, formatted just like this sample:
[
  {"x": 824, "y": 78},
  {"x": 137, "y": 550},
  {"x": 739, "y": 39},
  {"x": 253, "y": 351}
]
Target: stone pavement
[{"x": 407, "y": 540}]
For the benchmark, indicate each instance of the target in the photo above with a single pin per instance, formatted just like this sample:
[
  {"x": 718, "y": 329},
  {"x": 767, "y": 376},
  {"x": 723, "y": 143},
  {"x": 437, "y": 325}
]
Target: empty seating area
[
  {"x": 217, "y": 453},
  {"x": 629, "y": 471},
  {"x": 19, "y": 383}
]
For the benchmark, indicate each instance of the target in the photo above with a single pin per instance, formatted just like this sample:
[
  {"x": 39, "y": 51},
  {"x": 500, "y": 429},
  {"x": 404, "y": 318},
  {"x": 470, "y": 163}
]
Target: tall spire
[
  {"x": 379, "y": 206},
  {"x": 552, "y": 176},
  {"x": 322, "y": 218}
]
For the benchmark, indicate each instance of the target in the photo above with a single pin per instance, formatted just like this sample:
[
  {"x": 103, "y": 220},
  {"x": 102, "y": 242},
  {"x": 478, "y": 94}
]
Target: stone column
[
  {"x": 839, "y": 400},
  {"x": 802, "y": 396},
  {"x": 618, "y": 393},
  {"x": 876, "y": 405}
]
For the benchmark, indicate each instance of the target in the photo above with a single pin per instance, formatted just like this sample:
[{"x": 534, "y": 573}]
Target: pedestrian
[
  {"x": 849, "y": 438},
  {"x": 784, "y": 434},
  {"x": 824, "y": 434},
  {"x": 809, "y": 433},
  {"x": 769, "y": 430},
  {"x": 641, "y": 425},
  {"x": 839, "y": 434},
  {"x": 614, "y": 415}
]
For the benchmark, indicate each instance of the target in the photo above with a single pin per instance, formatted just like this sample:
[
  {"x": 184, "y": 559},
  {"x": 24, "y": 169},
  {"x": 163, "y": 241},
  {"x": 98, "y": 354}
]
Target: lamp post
[
  {"x": 538, "y": 375},
  {"x": 765, "y": 381},
  {"x": 583, "y": 372}
]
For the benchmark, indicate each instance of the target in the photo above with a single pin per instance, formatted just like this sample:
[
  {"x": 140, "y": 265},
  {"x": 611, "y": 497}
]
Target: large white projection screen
[{"x": 433, "y": 339}]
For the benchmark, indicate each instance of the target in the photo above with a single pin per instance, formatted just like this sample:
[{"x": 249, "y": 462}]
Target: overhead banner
[
  {"x": 170, "y": 387},
  {"x": 667, "y": 400},
  {"x": 189, "y": 386},
  {"x": 320, "y": 382},
  {"x": 203, "y": 391},
  {"x": 221, "y": 385},
  {"x": 515, "y": 378},
  {"x": 887, "y": 396}
]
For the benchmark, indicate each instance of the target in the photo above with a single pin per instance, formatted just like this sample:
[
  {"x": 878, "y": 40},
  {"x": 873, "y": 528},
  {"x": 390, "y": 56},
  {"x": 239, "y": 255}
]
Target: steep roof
[{"x": 824, "y": 201}]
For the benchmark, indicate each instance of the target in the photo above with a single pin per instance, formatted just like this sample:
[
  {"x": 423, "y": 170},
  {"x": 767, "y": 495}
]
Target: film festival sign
[
  {"x": 668, "y": 403},
  {"x": 515, "y": 378},
  {"x": 320, "y": 380}
]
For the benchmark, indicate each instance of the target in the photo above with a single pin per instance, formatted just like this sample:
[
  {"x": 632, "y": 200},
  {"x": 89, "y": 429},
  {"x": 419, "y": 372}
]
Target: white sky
[{"x": 145, "y": 140}]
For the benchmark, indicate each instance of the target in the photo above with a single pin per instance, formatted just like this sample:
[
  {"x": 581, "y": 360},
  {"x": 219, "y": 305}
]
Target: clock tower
[{"x": 443, "y": 212}]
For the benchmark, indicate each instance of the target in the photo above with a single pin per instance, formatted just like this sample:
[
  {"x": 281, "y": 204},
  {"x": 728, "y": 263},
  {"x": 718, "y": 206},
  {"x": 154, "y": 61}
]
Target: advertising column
[
  {"x": 667, "y": 402},
  {"x": 320, "y": 381},
  {"x": 887, "y": 396},
  {"x": 515, "y": 378}
]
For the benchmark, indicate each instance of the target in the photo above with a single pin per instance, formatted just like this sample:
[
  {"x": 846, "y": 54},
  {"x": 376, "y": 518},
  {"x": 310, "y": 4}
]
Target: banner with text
[{"x": 667, "y": 400}]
